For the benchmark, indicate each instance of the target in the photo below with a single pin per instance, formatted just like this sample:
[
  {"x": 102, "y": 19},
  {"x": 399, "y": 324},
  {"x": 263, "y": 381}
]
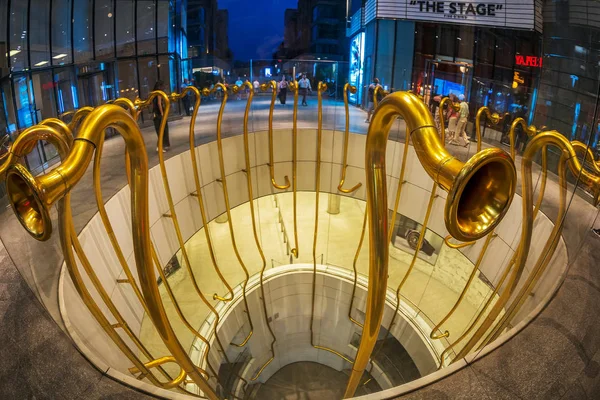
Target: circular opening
[
  {"x": 485, "y": 198},
  {"x": 26, "y": 205}
]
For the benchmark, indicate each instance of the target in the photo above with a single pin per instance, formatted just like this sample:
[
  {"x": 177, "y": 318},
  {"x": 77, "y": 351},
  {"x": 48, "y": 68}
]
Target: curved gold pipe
[
  {"x": 443, "y": 103},
  {"x": 79, "y": 115},
  {"x": 59, "y": 135},
  {"x": 264, "y": 87},
  {"x": 486, "y": 182},
  {"x": 591, "y": 181},
  {"x": 320, "y": 89},
  {"x": 254, "y": 230},
  {"x": 352, "y": 89},
  {"x": 376, "y": 93},
  {"x": 128, "y": 105},
  {"x": 226, "y": 197},
  {"x": 494, "y": 118},
  {"x": 360, "y": 243},
  {"x": 32, "y": 197},
  {"x": 456, "y": 246},
  {"x": 198, "y": 194},
  {"x": 581, "y": 148},
  {"x": 462, "y": 295},
  {"x": 294, "y": 88},
  {"x": 66, "y": 114},
  {"x": 158, "y": 362},
  {"x": 530, "y": 130},
  {"x": 537, "y": 143}
]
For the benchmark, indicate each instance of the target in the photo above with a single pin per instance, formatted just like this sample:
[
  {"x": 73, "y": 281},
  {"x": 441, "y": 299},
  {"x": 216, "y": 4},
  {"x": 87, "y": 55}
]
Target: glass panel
[
  {"x": 104, "y": 29},
  {"x": 125, "y": 19},
  {"x": 66, "y": 91},
  {"x": 82, "y": 31},
  {"x": 7, "y": 97},
  {"x": 385, "y": 52},
  {"x": 24, "y": 101},
  {"x": 163, "y": 24},
  {"x": 127, "y": 79},
  {"x": 148, "y": 77},
  {"x": 18, "y": 35},
  {"x": 167, "y": 72},
  {"x": 39, "y": 38},
  {"x": 61, "y": 32},
  {"x": 146, "y": 32},
  {"x": 45, "y": 103},
  {"x": 3, "y": 49}
]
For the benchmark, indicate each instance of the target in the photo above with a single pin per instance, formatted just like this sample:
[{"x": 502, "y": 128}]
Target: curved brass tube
[
  {"x": 530, "y": 130},
  {"x": 226, "y": 197},
  {"x": 495, "y": 118},
  {"x": 79, "y": 115},
  {"x": 198, "y": 194},
  {"x": 581, "y": 148},
  {"x": 537, "y": 143},
  {"x": 66, "y": 114},
  {"x": 360, "y": 243},
  {"x": 443, "y": 103},
  {"x": 158, "y": 362},
  {"x": 264, "y": 87},
  {"x": 320, "y": 89},
  {"x": 352, "y": 89},
  {"x": 462, "y": 295},
  {"x": 486, "y": 182},
  {"x": 456, "y": 246},
  {"x": 376, "y": 92},
  {"x": 293, "y": 86},
  {"x": 254, "y": 230},
  {"x": 591, "y": 181},
  {"x": 32, "y": 197}
]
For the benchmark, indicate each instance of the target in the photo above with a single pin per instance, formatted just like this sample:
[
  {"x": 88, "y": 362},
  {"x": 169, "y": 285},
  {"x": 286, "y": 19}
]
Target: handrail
[
  {"x": 294, "y": 88},
  {"x": 273, "y": 85},
  {"x": 235, "y": 89},
  {"x": 352, "y": 89},
  {"x": 286, "y": 237},
  {"x": 198, "y": 193}
]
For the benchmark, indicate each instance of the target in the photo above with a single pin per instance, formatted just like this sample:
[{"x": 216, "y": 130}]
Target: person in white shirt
[
  {"x": 283, "y": 84},
  {"x": 256, "y": 85},
  {"x": 304, "y": 85},
  {"x": 463, "y": 115},
  {"x": 239, "y": 84}
]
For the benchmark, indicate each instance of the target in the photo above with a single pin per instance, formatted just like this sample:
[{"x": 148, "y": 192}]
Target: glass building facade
[{"x": 60, "y": 55}]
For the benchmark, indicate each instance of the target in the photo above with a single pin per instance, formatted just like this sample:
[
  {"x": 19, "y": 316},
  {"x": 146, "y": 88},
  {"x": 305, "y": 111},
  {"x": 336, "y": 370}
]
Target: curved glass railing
[{"x": 202, "y": 241}]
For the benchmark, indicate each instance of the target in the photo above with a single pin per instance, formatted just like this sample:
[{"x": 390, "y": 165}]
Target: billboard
[{"x": 357, "y": 59}]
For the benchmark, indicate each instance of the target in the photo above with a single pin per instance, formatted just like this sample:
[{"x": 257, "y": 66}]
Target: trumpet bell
[
  {"x": 481, "y": 195},
  {"x": 26, "y": 200}
]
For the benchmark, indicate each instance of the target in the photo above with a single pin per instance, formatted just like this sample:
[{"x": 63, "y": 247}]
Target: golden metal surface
[
  {"x": 480, "y": 192},
  {"x": 320, "y": 89},
  {"x": 352, "y": 89},
  {"x": 293, "y": 86},
  {"x": 517, "y": 265},
  {"x": 264, "y": 87},
  {"x": 494, "y": 118},
  {"x": 32, "y": 197},
  {"x": 530, "y": 130},
  {"x": 454, "y": 245},
  {"x": 462, "y": 295},
  {"x": 198, "y": 193},
  {"x": 376, "y": 95},
  {"x": 360, "y": 243},
  {"x": 226, "y": 198},
  {"x": 78, "y": 117}
]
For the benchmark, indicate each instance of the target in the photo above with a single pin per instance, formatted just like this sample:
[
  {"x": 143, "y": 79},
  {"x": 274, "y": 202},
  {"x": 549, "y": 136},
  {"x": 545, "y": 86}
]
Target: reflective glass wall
[{"x": 60, "y": 55}]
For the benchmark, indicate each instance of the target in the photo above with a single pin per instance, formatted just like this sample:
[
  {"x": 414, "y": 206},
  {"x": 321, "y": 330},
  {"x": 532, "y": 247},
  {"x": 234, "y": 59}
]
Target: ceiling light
[
  {"x": 59, "y": 56},
  {"x": 40, "y": 63},
  {"x": 14, "y": 52}
]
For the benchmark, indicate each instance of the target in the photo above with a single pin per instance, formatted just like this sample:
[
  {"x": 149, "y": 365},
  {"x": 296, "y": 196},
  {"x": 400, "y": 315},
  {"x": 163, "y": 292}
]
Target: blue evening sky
[{"x": 255, "y": 26}]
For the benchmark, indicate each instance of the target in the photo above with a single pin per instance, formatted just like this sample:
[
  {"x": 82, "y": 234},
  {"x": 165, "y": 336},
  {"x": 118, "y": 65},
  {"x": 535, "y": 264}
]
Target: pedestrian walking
[
  {"x": 186, "y": 99},
  {"x": 371, "y": 92},
  {"x": 304, "y": 85},
  {"x": 283, "y": 84}
]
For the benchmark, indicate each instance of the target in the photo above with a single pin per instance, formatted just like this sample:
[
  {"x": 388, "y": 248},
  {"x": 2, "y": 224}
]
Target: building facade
[{"x": 60, "y": 55}]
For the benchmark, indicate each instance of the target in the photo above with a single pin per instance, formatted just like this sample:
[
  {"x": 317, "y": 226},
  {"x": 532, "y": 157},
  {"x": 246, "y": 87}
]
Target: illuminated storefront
[{"x": 490, "y": 52}]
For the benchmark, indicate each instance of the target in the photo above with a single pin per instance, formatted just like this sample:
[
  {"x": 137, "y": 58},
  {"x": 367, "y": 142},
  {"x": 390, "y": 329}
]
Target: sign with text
[
  {"x": 528, "y": 61},
  {"x": 499, "y": 13}
]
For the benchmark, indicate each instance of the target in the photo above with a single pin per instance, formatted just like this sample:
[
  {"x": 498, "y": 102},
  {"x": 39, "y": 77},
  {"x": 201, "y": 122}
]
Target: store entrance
[
  {"x": 445, "y": 78},
  {"x": 93, "y": 89}
]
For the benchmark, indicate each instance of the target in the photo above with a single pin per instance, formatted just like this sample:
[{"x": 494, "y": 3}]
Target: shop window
[
  {"x": 3, "y": 48},
  {"x": 146, "y": 29},
  {"x": 7, "y": 99},
  {"x": 61, "y": 32},
  {"x": 82, "y": 31},
  {"x": 125, "y": 23},
  {"x": 18, "y": 35},
  {"x": 127, "y": 79},
  {"x": 66, "y": 90},
  {"x": 104, "y": 19},
  {"x": 39, "y": 36},
  {"x": 162, "y": 26}
]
